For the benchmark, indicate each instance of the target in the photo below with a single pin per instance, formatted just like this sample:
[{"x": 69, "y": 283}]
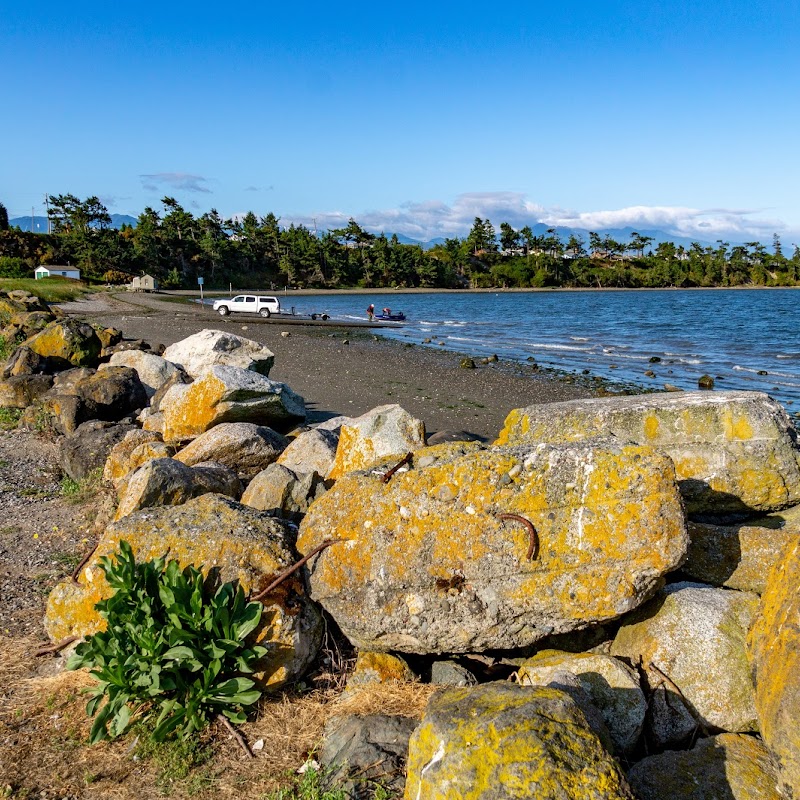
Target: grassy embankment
[{"x": 51, "y": 290}]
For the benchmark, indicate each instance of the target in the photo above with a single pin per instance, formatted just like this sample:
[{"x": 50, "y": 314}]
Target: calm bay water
[{"x": 731, "y": 335}]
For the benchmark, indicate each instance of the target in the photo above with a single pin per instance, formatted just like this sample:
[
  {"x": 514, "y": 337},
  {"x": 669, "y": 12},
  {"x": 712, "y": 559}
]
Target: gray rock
[
  {"x": 208, "y": 348},
  {"x": 449, "y": 673},
  {"x": 357, "y": 752},
  {"x": 740, "y": 556},
  {"x": 612, "y": 686},
  {"x": 88, "y": 447},
  {"x": 311, "y": 451},
  {"x": 242, "y": 446},
  {"x": 725, "y": 767},
  {"x": 502, "y": 740},
  {"x": 167, "y": 482},
  {"x": 20, "y": 391},
  {"x": 282, "y": 492},
  {"x": 429, "y": 565},
  {"x": 153, "y": 371},
  {"x": 228, "y": 394},
  {"x": 693, "y": 637}
]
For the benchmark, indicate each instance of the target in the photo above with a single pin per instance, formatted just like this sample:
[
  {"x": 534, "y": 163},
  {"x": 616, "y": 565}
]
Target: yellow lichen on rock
[
  {"x": 455, "y": 532},
  {"x": 734, "y": 452},
  {"x": 524, "y": 742},
  {"x": 774, "y": 644}
]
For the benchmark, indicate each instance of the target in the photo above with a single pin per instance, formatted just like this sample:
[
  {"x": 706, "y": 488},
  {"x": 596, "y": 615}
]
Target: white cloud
[
  {"x": 175, "y": 180},
  {"x": 428, "y": 219}
]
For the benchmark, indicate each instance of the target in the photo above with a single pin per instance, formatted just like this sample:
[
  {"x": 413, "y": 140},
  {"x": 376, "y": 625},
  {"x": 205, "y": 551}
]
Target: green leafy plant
[
  {"x": 9, "y": 417},
  {"x": 172, "y": 651}
]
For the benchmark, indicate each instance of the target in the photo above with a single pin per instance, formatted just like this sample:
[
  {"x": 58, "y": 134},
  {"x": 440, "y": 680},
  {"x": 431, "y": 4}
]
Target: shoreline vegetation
[{"x": 178, "y": 249}]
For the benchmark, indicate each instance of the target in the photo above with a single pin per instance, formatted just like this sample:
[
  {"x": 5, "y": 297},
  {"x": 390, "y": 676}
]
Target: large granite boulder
[
  {"x": 740, "y": 556},
  {"x": 84, "y": 394},
  {"x": 67, "y": 343},
  {"x": 429, "y": 564},
  {"x": 88, "y": 447},
  {"x": 725, "y": 767},
  {"x": 217, "y": 535},
  {"x": 380, "y": 433},
  {"x": 153, "y": 371},
  {"x": 282, "y": 492},
  {"x": 311, "y": 451},
  {"x": 209, "y": 348},
  {"x": 734, "y": 452},
  {"x": 775, "y": 652},
  {"x": 242, "y": 446},
  {"x": 690, "y": 642},
  {"x": 357, "y": 753},
  {"x": 501, "y": 740},
  {"x": 612, "y": 686},
  {"x": 228, "y": 394},
  {"x": 167, "y": 482}
]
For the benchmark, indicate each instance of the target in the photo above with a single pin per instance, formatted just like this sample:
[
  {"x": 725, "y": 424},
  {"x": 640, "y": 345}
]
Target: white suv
[{"x": 250, "y": 303}]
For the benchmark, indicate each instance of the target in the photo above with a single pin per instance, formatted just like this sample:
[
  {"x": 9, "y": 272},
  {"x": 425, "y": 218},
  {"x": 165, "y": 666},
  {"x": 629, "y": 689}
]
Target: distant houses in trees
[{"x": 56, "y": 271}]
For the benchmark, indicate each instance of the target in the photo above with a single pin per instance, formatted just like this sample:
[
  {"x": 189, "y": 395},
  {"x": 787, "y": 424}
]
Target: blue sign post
[{"x": 200, "y": 284}]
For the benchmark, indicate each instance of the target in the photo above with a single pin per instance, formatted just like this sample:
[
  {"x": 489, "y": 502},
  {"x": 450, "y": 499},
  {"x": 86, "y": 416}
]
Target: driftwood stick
[
  {"x": 84, "y": 561},
  {"x": 533, "y": 547},
  {"x": 675, "y": 688},
  {"x": 236, "y": 735},
  {"x": 54, "y": 648},
  {"x": 287, "y": 572},
  {"x": 406, "y": 459}
]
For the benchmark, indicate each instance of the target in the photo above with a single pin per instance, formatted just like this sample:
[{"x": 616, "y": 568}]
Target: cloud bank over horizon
[{"x": 433, "y": 218}]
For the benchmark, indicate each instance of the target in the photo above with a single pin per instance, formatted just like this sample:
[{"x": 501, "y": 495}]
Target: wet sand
[{"x": 345, "y": 370}]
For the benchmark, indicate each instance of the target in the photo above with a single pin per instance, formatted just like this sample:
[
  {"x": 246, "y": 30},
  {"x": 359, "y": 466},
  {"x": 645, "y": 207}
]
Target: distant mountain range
[
  {"x": 619, "y": 234},
  {"x": 40, "y": 223}
]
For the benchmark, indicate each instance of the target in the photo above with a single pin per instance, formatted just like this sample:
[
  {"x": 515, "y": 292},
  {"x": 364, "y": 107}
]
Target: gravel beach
[{"x": 341, "y": 370}]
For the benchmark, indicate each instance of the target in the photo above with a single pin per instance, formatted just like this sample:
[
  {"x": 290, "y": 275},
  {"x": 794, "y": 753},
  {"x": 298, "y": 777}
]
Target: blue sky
[{"x": 411, "y": 117}]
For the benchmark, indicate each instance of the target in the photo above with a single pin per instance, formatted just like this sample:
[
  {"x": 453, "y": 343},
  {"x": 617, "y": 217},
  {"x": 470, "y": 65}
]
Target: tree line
[{"x": 177, "y": 248}]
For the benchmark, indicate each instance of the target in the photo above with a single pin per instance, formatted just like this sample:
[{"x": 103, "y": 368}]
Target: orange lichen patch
[
  {"x": 379, "y": 668},
  {"x": 774, "y": 644},
  {"x": 435, "y": 535},
  {"x": 651, "y": 425},
  {"x": 736, "y": 425},
  {"x": 193, "y": 412},
  {"x": 353, "y": 452}
]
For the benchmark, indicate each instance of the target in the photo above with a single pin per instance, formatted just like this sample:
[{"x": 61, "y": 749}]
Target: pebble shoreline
[{"x": 341, "y": 371}]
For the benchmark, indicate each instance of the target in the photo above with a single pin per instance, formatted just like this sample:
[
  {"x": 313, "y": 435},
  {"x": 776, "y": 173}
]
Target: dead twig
[
  {"x": 55, "y": 648},
  {"x": 84, "y": 561},
  {"x": 236, "y": 735},
  {"x": 291, "y": 570},
  {"x": 687, "y": 705},
  {"x": 406, "y": 459},
  {"x": 533, "y": 547}
]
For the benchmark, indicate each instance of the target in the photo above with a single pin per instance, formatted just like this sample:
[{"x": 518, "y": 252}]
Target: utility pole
[
  {"x": 47, "y": 209},
  {"x": 32, "y": 230}
]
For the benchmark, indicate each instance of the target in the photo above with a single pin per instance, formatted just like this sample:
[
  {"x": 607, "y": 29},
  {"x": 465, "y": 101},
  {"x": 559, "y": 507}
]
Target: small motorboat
[{"x": 387, "y": 315}]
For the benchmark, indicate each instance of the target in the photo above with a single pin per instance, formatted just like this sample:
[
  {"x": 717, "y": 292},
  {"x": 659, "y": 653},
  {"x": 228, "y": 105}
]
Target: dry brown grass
[{"x": 44, "y": 730}]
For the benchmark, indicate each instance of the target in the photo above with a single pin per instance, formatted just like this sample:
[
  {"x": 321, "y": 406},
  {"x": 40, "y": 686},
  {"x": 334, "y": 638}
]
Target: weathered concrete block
[
  {"x": 734, "y": 452},
  {"x": 430, "y": 565}
]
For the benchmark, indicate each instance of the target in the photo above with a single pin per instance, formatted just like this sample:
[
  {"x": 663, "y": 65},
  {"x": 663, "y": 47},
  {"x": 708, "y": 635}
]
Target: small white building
[
  {"x": 143, "y": 283},
  {"x": 57, "y": 272}
]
